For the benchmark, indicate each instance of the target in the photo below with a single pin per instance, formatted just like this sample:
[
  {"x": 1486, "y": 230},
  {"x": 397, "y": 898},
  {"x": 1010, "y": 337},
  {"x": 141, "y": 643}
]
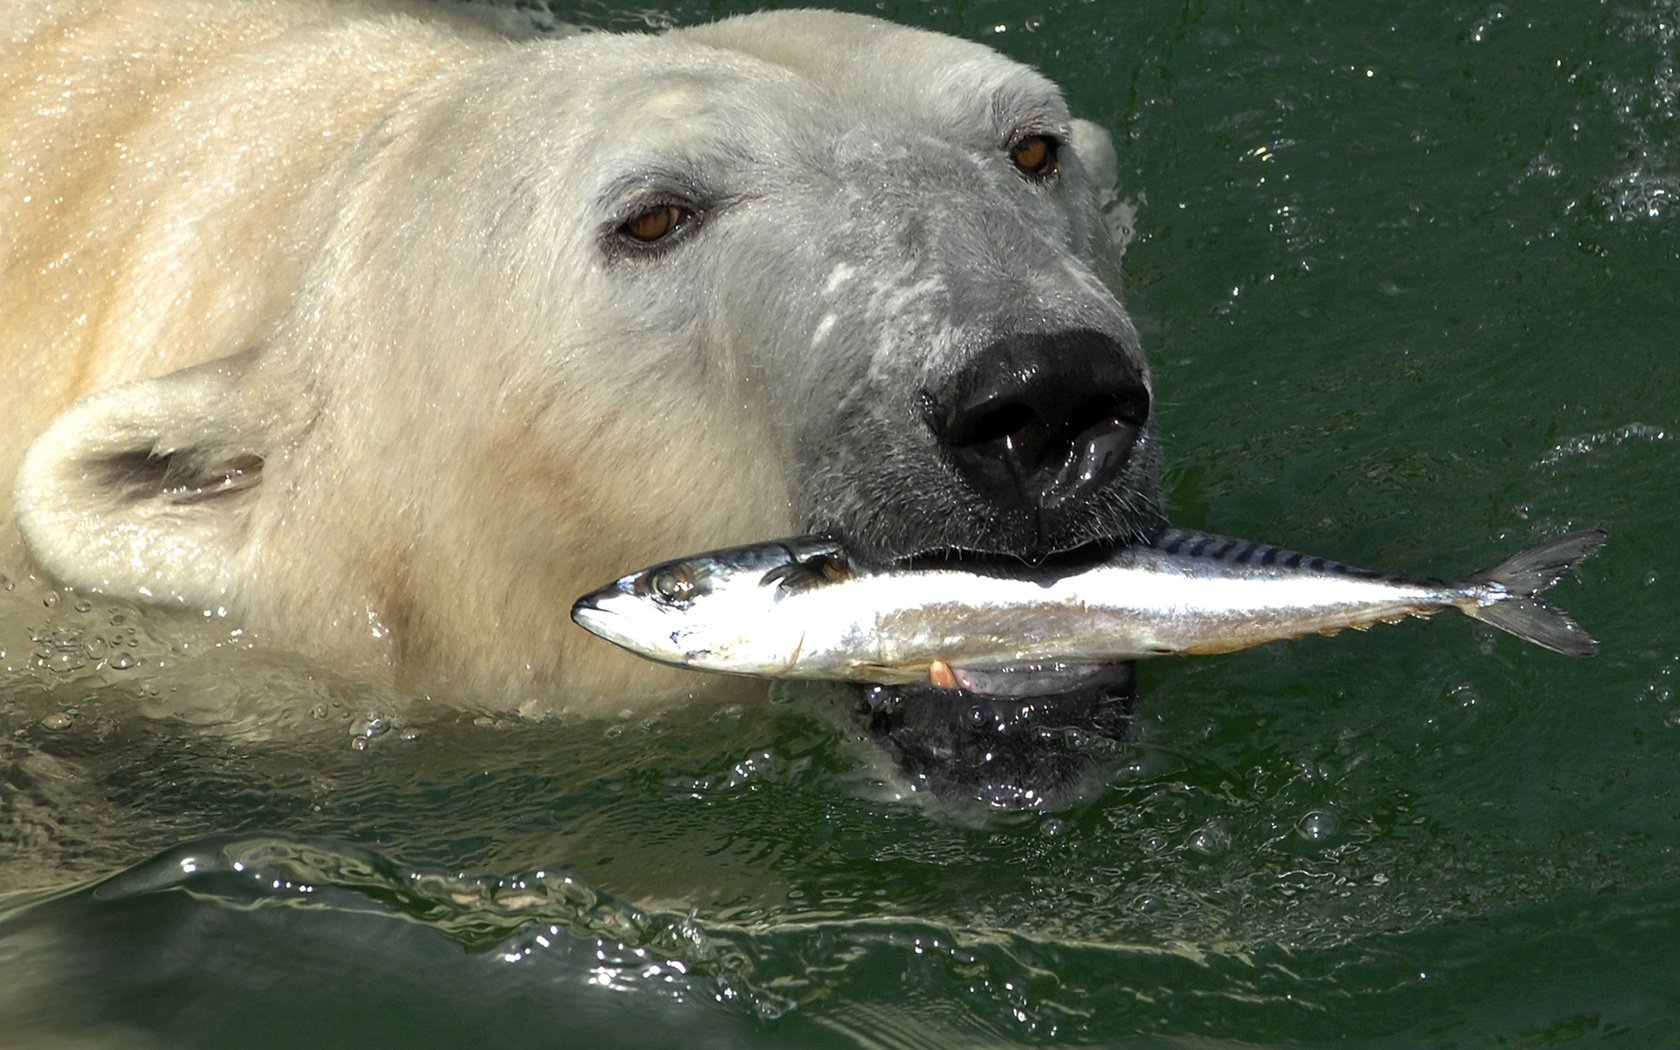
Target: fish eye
[{"x": 671, "y": 587}]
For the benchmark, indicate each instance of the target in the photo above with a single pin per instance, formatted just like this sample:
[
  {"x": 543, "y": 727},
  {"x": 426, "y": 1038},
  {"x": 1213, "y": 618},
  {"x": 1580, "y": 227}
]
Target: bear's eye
[
  {"x": 1034, "y": 156},
  {"x": 656, "y": 224}
]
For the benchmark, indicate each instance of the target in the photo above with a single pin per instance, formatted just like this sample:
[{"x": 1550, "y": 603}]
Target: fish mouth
[{"x": 593, "y": 614}]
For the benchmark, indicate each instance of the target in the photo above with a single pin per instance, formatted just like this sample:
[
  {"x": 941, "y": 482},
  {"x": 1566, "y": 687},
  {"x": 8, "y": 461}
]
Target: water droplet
[
  {"x": 318, "y": 712},
  {"x": 121, "y": 661},
  {"x": 358, "y": 743},
  {"x": 58, "y": 720},
  {"x": 50, "y": 599},
  {"x": 83, "y": 605},
  {"x": 1316, "y": 825},
  {"x": 1211, "y": 838}
]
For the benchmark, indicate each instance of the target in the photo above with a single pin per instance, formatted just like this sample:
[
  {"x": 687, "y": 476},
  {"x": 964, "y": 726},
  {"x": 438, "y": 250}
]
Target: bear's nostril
[
  {"x": 1038, "y": 419},
  {"x": 992, "y": 423},
  {"x": 1128, "y": 408}
]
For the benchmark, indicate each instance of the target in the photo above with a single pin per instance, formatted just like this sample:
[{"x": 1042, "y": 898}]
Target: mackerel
[{"x": 801, "y": 608}]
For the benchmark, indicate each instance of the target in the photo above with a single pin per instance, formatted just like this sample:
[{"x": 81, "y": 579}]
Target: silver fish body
[{"x": 799, "y": 609}]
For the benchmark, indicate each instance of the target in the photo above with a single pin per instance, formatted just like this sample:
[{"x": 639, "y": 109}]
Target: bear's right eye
[
  {"x": 1035, "y": 156},
  {"x": 656, "y": 224}
]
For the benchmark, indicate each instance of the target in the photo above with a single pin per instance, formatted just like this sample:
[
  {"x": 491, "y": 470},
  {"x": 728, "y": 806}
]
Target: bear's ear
[
  {"x": 1095, "y": 149},
  {"x": 1116, "y": 221},
  {"x": 145, "y": 490}
]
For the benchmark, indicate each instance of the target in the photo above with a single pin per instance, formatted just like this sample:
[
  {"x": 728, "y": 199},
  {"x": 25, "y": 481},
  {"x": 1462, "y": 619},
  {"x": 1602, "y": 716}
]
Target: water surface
[{"x": 1408, "y": 275}]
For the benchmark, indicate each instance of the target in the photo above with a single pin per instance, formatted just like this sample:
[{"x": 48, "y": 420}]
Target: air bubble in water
[
  {"x": 370, "y": 727},
  {"x": 1316, "y": 825},
  {"x": 1211, "y": 838}
]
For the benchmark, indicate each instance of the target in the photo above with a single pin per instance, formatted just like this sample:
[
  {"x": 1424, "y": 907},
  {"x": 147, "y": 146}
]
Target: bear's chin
[
  {"x": 1042, "y": 745},
  {"x": 1034, "y": 737}
]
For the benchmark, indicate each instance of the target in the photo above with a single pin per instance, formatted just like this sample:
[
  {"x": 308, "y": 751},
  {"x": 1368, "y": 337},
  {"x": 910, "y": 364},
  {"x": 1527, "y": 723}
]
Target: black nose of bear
[{"x": 1039, "y": 419}]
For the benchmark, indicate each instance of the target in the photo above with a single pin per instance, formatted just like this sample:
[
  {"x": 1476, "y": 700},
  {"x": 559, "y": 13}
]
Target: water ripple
[{"x": 1587, "y": 444}]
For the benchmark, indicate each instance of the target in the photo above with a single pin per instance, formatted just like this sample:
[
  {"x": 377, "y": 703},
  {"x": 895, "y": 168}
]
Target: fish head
[{"x": 718, "y": 611}]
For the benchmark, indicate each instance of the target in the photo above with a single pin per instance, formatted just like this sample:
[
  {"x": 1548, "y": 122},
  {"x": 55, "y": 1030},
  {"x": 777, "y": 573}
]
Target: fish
[{"x": 802, "y": 608}]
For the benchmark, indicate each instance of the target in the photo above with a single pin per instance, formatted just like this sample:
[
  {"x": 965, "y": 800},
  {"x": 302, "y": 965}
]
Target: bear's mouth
[
  {"x": 1027, "y": 679},
  {"x": 1026, "y": 737},
  {"x": 1021, "y": 751}
]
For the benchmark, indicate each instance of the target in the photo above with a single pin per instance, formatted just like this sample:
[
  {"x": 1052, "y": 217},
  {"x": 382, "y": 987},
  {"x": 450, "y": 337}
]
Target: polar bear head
[
  {"x": 932, "y": 325},
  {"x": 576, "y": 305}
]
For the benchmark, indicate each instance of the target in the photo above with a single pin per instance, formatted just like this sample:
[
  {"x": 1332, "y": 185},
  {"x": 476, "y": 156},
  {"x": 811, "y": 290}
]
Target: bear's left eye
[
  {"x": 656, "y": 223},
  {"x": 1034, "y": 156}
]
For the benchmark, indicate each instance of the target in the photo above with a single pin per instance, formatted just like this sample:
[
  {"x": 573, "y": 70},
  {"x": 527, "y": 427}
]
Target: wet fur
[{"x": 387, "y": 276}]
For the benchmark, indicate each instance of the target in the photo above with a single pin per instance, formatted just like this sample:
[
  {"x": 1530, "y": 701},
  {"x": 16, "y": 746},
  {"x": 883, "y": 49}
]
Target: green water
[{"x": 1408, "y": 274}]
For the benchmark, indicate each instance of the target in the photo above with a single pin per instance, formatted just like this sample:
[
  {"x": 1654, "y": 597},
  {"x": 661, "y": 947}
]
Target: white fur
[{"x": 360, "y": 244}]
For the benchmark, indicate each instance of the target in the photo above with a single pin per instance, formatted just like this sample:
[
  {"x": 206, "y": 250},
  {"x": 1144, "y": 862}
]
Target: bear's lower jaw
[{"x": 1013, "y": 752}]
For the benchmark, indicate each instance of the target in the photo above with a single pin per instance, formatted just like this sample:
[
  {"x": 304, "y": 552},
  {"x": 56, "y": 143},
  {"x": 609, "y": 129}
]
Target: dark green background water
[{"x": 1409, "y": 274}]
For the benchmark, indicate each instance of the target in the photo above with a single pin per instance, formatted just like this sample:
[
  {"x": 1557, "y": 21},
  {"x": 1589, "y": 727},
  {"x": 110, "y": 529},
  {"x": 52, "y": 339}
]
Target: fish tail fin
[
  {"x": 1522, "y": 577},
  {"x": 1533, "y": 620}
]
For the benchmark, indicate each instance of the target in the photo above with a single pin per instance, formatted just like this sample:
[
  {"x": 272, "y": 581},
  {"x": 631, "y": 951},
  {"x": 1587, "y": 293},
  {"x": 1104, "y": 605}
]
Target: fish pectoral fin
[
  {"x": 886, "y": 674},
  {"x": 1213, "y": 647},
  {"x": 793, "y": 661}
]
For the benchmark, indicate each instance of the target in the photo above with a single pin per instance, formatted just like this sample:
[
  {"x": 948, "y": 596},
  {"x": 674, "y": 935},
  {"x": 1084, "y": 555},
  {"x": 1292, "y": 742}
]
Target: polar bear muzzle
[{"x": 1038, "y": 420}]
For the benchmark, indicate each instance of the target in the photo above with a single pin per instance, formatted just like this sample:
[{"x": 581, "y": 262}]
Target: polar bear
[{"x": 386, "y": 335}]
